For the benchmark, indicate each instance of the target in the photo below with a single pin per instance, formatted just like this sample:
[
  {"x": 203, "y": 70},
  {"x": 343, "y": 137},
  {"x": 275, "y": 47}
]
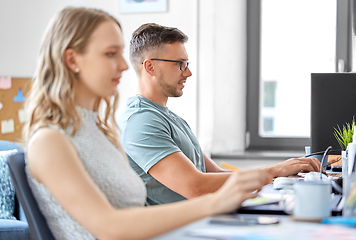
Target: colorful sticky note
[
  {"x": 22, "y": 115},
  {"x": 19, "y": 97},
  {"x": 1, "y": 105},
  {"x": 5, "y": 82},
  {"x": 7, "y": 126}
]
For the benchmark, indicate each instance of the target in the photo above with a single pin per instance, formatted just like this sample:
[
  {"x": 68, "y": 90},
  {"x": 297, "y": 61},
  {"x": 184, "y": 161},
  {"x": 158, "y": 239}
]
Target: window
[
  {"x": 286, "y": 42},
  {"x": 268, "y": 110}
]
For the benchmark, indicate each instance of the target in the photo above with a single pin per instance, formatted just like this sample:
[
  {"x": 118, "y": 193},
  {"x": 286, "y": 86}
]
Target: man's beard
[{"x": 170, "y": 89}]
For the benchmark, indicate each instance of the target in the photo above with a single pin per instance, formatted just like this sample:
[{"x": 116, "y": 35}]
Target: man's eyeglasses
[{"x": 183, "y": 65}]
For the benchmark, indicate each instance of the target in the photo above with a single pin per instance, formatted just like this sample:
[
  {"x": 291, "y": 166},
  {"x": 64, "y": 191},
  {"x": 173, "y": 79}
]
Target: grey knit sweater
[{"x": 107, "y": 168}]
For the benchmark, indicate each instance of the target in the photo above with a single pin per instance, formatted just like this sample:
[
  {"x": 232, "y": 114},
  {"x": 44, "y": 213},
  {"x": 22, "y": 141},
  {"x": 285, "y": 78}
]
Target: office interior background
[{"x": 251, "y": 62}]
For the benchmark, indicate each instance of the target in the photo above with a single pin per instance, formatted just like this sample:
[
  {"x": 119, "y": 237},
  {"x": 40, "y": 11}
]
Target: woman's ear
[
  {"x": 148, "y": 67},
  {"x": 70, "y": 59}
]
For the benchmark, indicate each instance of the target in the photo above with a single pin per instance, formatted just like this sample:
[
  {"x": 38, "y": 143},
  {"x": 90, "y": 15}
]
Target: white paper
[
  {"x": 7, "y": 126},
  {"x": 22, "y": 115}
]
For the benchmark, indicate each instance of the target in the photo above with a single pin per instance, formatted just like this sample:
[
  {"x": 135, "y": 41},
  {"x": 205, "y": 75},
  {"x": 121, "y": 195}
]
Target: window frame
[{"x": 343, "y": 51}]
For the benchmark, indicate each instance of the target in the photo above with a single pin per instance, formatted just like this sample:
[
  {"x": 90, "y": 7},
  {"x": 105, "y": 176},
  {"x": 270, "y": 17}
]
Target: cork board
[{"x": 12, "y": 95}]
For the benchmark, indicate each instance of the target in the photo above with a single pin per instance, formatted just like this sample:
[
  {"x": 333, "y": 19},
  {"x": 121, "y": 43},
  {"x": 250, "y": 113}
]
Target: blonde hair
[{"x": 51, "y": 98}]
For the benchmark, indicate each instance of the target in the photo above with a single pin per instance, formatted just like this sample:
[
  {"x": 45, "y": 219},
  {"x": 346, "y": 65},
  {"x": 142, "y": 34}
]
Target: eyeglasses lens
[{"x": 184, "y": 65}]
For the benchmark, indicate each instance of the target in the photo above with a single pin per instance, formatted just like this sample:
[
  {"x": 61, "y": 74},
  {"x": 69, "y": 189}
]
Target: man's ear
[
  {"x": 149, "y": 67},
  {"x": 70, "y": 59}
]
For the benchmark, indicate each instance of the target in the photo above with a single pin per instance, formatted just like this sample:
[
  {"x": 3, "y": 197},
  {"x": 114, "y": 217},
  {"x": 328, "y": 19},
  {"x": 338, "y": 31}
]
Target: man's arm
[
  {"x": 282, "y": 169},
  {"x": 211, "y": 166},
  {"x": 178, "y": 173},
  {"x": 294, "y": 166}
]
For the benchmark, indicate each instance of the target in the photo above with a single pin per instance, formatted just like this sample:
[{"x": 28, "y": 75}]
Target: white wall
[
  {"x": 216, "y": 48},
  {"x": 222, "y": 75},
  {"x": 185, "y": 106},
  {"x": 22, "y": 24}
]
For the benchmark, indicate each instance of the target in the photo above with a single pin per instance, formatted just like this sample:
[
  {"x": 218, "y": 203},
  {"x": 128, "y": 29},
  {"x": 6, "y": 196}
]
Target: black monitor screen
[{"x": 333, "y": 102}]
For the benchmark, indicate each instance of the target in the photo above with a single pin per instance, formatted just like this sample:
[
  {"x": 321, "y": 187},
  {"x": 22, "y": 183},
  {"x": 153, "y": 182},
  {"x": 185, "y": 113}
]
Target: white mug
[{"x": 312, "y": 200}]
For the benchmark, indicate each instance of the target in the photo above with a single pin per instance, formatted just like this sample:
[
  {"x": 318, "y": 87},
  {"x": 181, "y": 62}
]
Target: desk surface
[
  {"x": 286, "y": 229},
  {"x": 180, "y": 233}
]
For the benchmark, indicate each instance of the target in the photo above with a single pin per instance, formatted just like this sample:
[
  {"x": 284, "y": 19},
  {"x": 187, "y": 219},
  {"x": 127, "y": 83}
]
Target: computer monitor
[{"x": 333, "y": 102}]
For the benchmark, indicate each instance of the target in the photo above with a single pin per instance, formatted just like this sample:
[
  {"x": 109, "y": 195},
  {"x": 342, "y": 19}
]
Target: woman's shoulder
[
  {"x": 46, "y": 146},
  {"x": 45, "y": 136}
]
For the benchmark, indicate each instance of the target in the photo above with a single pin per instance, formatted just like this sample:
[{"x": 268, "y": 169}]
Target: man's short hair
[{"x": 151, "y": 37}]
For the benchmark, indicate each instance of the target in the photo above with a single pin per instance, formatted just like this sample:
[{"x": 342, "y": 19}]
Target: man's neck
[
  {"x": 152, "y": 94},
  {"x": 161, "y": 101}
]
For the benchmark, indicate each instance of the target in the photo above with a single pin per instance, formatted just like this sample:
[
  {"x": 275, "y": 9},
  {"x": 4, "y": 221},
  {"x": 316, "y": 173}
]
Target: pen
[
  {"x": 230, "y": 167},
  {"x": 236, "y": 169}
]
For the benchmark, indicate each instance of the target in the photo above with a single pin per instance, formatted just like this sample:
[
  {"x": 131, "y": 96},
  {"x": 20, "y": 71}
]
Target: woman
[{"x": 76, "y": 166}]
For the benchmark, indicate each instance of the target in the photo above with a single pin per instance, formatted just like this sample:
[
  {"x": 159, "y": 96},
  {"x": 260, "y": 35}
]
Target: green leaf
[{"x": 344, "y": 136}]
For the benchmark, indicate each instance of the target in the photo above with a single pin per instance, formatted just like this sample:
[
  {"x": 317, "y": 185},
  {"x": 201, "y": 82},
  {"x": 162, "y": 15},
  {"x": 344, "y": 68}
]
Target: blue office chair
[{"x": 36, "y": 221}]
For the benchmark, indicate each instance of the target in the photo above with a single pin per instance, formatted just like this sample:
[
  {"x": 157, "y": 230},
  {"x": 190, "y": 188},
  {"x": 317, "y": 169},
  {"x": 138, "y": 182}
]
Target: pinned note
[
  {"x": 5, "y": 82},
  {"x": 22, "y": 115},
  {"x": 1, "y": 105},
  {"x": 7, "y": 126},
  {"x": 19, "y": 97}
]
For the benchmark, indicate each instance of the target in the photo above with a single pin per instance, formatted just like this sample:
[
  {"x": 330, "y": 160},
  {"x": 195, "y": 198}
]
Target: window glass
[{"x": 297, "y": 38}]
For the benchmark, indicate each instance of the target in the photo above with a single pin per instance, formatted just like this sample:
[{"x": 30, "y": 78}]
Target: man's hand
[{"x": 294, "y": 166}]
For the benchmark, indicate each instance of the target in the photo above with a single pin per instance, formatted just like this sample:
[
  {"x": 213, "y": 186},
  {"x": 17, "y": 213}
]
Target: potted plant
[{"x": 344, "y": 135}]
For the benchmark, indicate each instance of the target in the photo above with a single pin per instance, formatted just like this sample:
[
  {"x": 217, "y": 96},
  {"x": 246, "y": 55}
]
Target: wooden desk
[{"x": 335, "y": 160}]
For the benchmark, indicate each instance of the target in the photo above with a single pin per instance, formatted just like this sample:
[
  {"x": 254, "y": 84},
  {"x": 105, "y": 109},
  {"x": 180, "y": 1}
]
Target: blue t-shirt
[{"x": 151, "y": 132}]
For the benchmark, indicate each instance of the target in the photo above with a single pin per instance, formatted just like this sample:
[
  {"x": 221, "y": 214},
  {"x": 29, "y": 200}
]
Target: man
[{"x": 159, "y": 144}]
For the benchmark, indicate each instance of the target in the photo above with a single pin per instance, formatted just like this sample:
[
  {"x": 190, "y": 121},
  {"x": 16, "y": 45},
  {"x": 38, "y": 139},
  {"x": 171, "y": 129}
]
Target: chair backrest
[
  {"x": 5, "y": 146},
  {"x": 36, "y": 221}
]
